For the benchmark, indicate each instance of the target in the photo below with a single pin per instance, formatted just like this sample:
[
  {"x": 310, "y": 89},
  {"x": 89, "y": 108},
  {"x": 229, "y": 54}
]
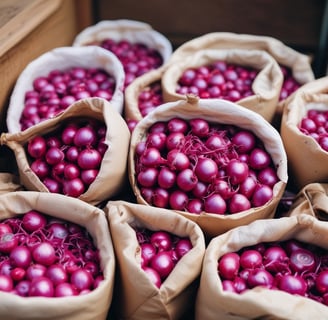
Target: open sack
[
  {"x": 297, "y": 62},
  {"x": 265, "y": 86},
  {"x": 111, "y": 176},
  {"x": 136, "y": 297},
  {"x": 218, "y": 112},
  {"x": 306, "y": 158},
  {"x": 61, "y": 59},
  {"x": 215, "y": 303},
  {"x": 93, "y": 305},
  {"x": 155, "y": 48}
]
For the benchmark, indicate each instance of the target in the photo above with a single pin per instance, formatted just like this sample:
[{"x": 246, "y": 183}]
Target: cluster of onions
[
  {"x": 315, "y": 124},
  {"x": 150, "y": 98},
  {"x": 197, "y": 166},
  {"x": 55, "y": 92},
  {"x": 136, "y": 58},
  {"x": 68, "y": 159},
  {"x": 289, "y": 85},
  {"x": 160, "y": 252},
  {"x": 291, "y": 266},
  {"x": 218, "y": 80},
  {"x": 48, "y": 257}
]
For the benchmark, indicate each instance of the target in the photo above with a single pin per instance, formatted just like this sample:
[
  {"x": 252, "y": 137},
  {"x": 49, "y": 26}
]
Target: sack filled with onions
[
  {"x": 137, "y": 45},
  {"x": 143, "y": 95},
  {"x": 53, "y": 81},
  {"x": 296, "y": 66},
  {"x": 270, "y": 269},
  {"x": 250, "y": 78},
  {"x": 159, "y": 256},
  {"x": 57, "y": 259},
  {"x": 81, "y": 153},
  {"x": 211, "y": 160},
  {"x": 305, "y": 137},
  {"x": 311, "y": 199}
]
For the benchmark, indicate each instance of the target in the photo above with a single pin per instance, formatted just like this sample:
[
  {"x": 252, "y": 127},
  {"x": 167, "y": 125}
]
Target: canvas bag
[
  {"x": 221, "y": 111},
  {"x": 258, "y": 303},
  {"x": 125, "y": 29},
  {"x": 306, "y": 159},
  {"x": 313, "y": 200},
  {"x": 64, "y": 58},
  {"x": 112, "y": 174},
  {"x": 266, "y": 86},
  {"x": 299, "y": 63},
  {"x": 132, "y": 91},
  {"x": 94, "y": 305},
  {"x": 137, "y": 297}
]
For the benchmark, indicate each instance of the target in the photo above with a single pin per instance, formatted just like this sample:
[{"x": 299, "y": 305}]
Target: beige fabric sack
[
  {"x": 64, "y": 58},
  {"x": 306, "y": 159},
  {"x": 137, "y": 297},
  {"x": 112, "y": 173},
  {"x": 132, "y": 91},
  {"x": 259, "y": 303},
  {"x": 313, "y": 200},
  {"x": 125, "y": 29},
  {"x": 225, "y": 112},
  {"x": 266, "y": 86},
  {"x": 299, "y": 63},
  {"x": 94, "y": 305}
]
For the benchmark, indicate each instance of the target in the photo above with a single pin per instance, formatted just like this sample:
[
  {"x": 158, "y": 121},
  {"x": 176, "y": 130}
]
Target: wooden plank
[
  {"x": 19, "y": 18},
  {"x": 295, "y": 23},
  {"x": 57, "y": 28}
]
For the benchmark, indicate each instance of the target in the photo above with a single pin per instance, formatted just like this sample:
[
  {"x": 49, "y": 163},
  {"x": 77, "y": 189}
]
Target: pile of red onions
[
  {"x": 218, "y": 80},
  {"x": 55, "y": 92},
  {"x": 45, "y": 256},
  {"x": 150, "y": 98},
  {"x": 195, "y": 165},
  {"x": 289, "y": 85},
  {"x": 160, "y": 252},
  {"x": 292, "y": 266},
  {"x": 315, "y": 124},
  {"x": 68, "y": 160},
  {"x": 136, "y": 58}
]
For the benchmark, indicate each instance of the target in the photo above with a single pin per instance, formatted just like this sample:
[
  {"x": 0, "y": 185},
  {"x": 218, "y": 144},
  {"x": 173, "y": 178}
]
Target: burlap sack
[
  {"x": 132, "y": 91},
  {"x": 299, "y": 63},
  {"x": 307, "y": 161},
  {"x": 137, "y": 297},
  {"x": 94, "y": 305},
  {"x": 266, "y": 86},
  {"x": 259, "y": 303},
  {"x": 125, "y": 29},
  {"x": 112, "y": 173},
  {"x": 64, "y": 58},
  {"x": 225, "y": 112},
  {"x": 313, "y": 200}
]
